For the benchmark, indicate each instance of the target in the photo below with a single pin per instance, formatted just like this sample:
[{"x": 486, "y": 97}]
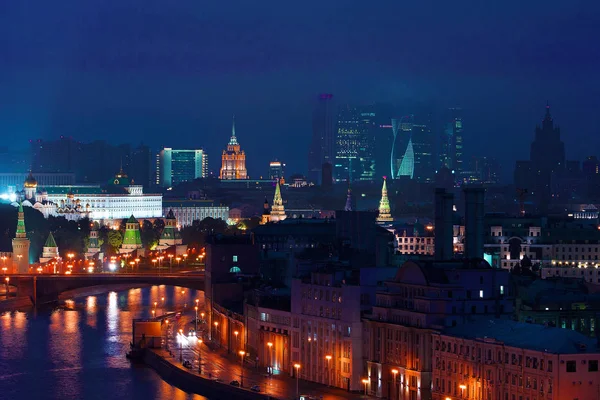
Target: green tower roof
[
  {"x": 132, "y": 220},
  {"x": 50, "y": 242},
  {"x": 21, "y": 222}
]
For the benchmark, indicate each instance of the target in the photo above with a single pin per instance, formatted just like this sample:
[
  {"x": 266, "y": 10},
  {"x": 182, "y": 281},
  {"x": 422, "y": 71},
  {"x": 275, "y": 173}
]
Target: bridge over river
[{"x": 46, "y": 288}]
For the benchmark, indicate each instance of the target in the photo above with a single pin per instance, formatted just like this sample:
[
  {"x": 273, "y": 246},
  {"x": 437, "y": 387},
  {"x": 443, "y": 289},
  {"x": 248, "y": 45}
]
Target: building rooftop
[
  {"x": 167, "y": 203},
  {"x": 526, "y": 336}
]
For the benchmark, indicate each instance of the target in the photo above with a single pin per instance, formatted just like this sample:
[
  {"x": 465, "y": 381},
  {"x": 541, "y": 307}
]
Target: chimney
[
  {"x": 443, "y": 225},
  {"x": 474, "y": 234}
]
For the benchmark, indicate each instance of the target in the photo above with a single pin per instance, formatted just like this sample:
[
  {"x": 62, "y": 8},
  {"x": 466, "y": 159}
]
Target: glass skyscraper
[{"x": 178, "y": 166}]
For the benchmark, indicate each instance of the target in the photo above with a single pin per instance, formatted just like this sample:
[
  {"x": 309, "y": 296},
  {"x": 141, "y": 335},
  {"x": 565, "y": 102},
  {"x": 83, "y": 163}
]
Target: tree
[{"x": 114, "y": 240}]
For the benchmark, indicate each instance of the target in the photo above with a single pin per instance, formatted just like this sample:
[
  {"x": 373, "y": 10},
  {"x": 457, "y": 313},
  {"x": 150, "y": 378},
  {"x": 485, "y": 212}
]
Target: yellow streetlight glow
[
  {"x": 365, "y": 381},
  {"x": 242, "y": 353},
  {"x": 462, "y": 387},
  {"x": 297, "y": 366},
  {"x": 394, "y": 371},
  {"x": 328, "y": 357},
  {"x": 216, "y": 323},
  {"x": 270, "y": 344}
]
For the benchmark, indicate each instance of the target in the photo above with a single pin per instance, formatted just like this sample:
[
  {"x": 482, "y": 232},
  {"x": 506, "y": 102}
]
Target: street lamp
[
  {"x": 167, "y": 334},
  {"x": 181, "y": 345},
  {"x": 200, "y": 356},
  {"x": 270, "y": 358},
  {"x": 462, "y": 390},
  {"x": 202, "y": 316},
  {"x": 395, "y": 372},
  {"x": 217, "y": 330},
  {"x": 242, "y": 353},
  {"x": 297, "y": 366},
  {"x": 196, "y": 320},
  {"x": 236, "y": 333},
  {"x": 7, "y": 279},
  {"x": 170, "y": 262},
  {"x": 365, "y": 381},
  {"x": 328, "y": 358}
]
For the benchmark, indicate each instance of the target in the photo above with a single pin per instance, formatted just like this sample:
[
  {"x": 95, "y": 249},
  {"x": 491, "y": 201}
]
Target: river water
[{"x": 76, "y": 350}]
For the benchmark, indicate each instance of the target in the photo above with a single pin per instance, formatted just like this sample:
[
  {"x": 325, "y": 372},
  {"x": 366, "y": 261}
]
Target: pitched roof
[
  {"x": 132, "y": 220},
  {"x": 50, "y": 242}
]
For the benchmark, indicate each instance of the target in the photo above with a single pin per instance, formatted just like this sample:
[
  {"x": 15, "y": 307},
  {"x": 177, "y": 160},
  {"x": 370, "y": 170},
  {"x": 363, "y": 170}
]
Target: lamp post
[
  {"x": 394, "y": 373},
  {"x": 196, "y": 320},
  {"x": 270, "y": 369},
  {"x": 181, "y": 345},
  {"x": 167, "y": 334},
  {"x": 200, "y": 356},
  {"x": 365, "y": 381},
  {"x": 236, "y": 333},
  {"x": 462, "y": 390},
  {"x": 242, "y": 353},
  {"x": 162, "y": 300},
  {"x": 217, "y": 330},
  {"x": 328, "y": 358},
  {"x": 297, "y": 367},
  {"x": 7, "y": 279},
  {"x": 170, "y": 262}
]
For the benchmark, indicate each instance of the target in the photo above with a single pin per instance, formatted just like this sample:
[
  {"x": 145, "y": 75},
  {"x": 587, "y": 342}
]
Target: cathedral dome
[{"x": 30, "y": 182}]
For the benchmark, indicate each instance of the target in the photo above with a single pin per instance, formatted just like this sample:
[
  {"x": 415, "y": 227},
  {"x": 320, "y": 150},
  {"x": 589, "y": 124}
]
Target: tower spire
[
  {"x": 385, "y": 214},
  {"x": 277, "y": 208},
  {"x": 233, "y": 140},
  {"x": 21, "y": 233}
]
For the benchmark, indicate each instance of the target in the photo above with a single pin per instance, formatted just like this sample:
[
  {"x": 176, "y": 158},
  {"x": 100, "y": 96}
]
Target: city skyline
[{"x": 500, "y": 66}]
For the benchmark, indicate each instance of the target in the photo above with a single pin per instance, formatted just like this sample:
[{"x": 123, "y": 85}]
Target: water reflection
[{"x": 76, "y": 351}]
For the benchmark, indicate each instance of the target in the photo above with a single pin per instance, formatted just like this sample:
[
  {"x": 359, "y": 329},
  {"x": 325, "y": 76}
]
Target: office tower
[
  {"x": 422, "y": 143},
  {"x": 451, "y": 149},
  {"x": 354, "y": 144},
  {"x": 178, "y": 166},
  {"x": 233, "y": 160},
  {"x": 383, "y": 139},
  {"x": 322, "y": 145},
  {"x": 141, "y": 169},
  {"x": 54, "y": 156},
  {"x": 402, "y": 155},
  {"x": 546, "y": 162},
  {"x": 276, "y": 170}
]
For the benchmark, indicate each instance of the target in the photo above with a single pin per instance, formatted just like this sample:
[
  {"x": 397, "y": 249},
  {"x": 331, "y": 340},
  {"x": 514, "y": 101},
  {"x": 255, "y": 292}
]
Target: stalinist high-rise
[{"x": 233, "y": 160}]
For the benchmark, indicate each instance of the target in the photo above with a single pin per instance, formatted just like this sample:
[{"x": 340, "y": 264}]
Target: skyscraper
[
  {"x": 178, "y": 166},
  {"x": 233, "y": 160},
  {"x": 276, "y": 170},
  {"x": 451, "y": 151},
  {"x": 141, "y": 165},
  {"x": 422, "y": 142},
  {"x": 322, "y": 144},
  {"x": 402, "y": 152},
  {"x": 547, "y": 159},
  {"x": 355, "y": 140},
  {"x": 383, "y": 138}
]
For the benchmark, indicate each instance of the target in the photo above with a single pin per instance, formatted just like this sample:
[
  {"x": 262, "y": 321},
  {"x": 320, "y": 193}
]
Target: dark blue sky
[{"x": 173, "y": 73}]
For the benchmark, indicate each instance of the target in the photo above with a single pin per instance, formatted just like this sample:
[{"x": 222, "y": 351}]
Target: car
[
  {"x": 255, "y": 388},
  {"x": 178, "y": 315},
  {"x": 187, "y": 364},
  {"x": 234, "y": 383}
]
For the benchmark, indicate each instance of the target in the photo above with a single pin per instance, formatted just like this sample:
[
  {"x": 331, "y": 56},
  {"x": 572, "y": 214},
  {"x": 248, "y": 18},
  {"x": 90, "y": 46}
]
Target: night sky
[{"x": 172, "y": 73}]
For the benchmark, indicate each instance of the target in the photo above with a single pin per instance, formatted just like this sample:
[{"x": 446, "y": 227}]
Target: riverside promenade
[{"x": 220, "y": 368}]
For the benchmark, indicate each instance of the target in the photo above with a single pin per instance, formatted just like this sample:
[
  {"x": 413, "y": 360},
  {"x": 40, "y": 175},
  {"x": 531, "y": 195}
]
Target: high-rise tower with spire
[
  {"x": 21, "y": 245},
  {"x": 233, "y": 160},
  {"x": 277, "y": 209},
  {"x": 385, "y": 213}
]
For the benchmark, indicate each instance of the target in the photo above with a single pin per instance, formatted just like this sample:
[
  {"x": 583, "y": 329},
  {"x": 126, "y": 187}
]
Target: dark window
[
  {"x": 571, "y": 366},
  {"x": 593, "y": 366}
]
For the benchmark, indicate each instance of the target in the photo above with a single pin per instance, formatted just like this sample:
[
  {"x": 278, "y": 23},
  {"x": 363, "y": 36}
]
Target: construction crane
[{"x": 521, "y": 193}]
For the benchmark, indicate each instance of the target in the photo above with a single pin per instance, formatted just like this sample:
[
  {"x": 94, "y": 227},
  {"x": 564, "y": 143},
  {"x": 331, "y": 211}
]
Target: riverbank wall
[
  {"x": 15, "y": 303},
  {"x": 96, "y": 290},
  {"x": 192, "y": 383}
]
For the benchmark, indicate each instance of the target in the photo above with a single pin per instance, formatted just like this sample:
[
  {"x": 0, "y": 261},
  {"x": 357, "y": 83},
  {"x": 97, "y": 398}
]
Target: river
[{"x": 76, "y": 350}]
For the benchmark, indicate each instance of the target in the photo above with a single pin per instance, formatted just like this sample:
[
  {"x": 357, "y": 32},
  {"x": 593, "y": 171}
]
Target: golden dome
[{"x": 30, "y": 182}]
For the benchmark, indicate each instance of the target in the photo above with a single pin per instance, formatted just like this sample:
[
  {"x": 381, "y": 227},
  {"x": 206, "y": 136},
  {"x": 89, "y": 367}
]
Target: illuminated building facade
[
  {"x": 277, "y": 209},
  {"x": 422, "y": 299},
  {"x": 354, "y": 144},
  {"x": 502, "y": 359},
  {"x": 451, "y": 151},
  {"x": 422, "y": 143},
  {"x": 233, "y": 160},
  {"x": 326, "y": 321},
  {"x": 178, "y": 166},
  {"x": 15, "y": 182},
  {"x": 385, "y": 213},
  {"x": 50, "y": 250},
  {"x": 132, "y": 239},
  {"x": 121, "y": 199},
  {"x": 322, "y": 146},
  {"x": 188, "y": 211},
  {"x": 276, "y": 170}
]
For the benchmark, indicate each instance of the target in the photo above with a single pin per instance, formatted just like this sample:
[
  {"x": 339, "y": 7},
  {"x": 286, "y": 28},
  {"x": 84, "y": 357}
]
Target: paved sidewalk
[{"x": 219, "y": 364}]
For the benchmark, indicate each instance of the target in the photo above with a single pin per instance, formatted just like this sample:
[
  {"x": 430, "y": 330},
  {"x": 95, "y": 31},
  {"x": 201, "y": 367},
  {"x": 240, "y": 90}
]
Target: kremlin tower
[
  {"x": 50, "y": 250},
  {"x": 20, "y": 245},
  {"x": 233, "y": 160},
  {"x": 277, "y": 209},
  {"x": 385, "y": 214}
]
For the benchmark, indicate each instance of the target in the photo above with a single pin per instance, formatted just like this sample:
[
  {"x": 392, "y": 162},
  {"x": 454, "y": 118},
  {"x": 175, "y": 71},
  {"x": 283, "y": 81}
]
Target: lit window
[
  {"x": 481, "y": 294},
  {"x": 234, "y": 258},
  {"x": 501, "y": 289},
  {"x": 235, "y": 270}
]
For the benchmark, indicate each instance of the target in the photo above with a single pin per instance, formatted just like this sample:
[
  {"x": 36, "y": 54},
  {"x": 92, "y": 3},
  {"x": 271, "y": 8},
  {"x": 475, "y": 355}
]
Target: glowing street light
[
  {"x": 365, "y": 381},
  {"x": 7, "y": 279},
  {"x": 200, "y": 356},
  {"x": 328, "y": 358},
  {"x": 236, "y": 333},
  {"x": 242, "y": 353},
  {"x": 181, "y": 345},
  {"x": 196, "y": 320},
  {"x": 270, "y": 358},
  {"x": 297, "y": 367},
  {"x": 395, "y": 372}
]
